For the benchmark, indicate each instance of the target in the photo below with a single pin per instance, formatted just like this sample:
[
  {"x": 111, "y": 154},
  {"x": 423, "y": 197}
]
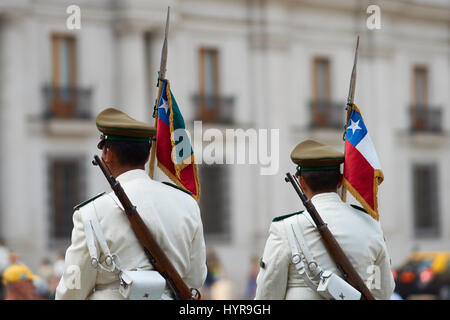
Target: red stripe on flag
[
  {"x": 187, "y": 177},
  {"x": 164, "y": 146},
  {"x": 163, "y": 151},
  {"x": 359, "y": 173}
]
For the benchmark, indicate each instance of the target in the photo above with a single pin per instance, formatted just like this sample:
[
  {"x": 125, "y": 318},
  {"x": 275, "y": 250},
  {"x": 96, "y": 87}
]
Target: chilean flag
[
  {"x": 362, "y": 169},
  {"x": 173, "y": 147}
]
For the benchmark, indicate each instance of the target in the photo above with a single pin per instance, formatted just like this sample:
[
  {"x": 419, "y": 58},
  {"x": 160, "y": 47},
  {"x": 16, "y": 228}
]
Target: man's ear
[
  {"x": 303, "y": 183},
  {"x": 108, "y": 155}
]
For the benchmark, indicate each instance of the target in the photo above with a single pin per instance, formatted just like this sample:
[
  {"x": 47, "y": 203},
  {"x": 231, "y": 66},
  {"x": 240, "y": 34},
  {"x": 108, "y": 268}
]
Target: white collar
[
  {"x": 132, "y": 175},
  {"x": 326, "y": 196}
]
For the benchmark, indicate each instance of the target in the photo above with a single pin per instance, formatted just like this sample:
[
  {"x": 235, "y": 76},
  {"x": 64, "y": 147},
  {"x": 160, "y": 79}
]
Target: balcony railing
[
  {"x": 425, "y": 119},
  {"x": 214, "y": 109},
  {"x": 327, "y": 114},
  {"x": 67, "y": 102}
]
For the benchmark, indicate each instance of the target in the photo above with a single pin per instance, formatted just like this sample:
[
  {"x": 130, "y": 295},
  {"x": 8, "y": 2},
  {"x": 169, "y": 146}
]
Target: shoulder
[
  {"x": 103, "y": 206},
  {"x": 280, "y": 218},
  {"x": 176, "y": 195},
  {"x": 82, "y": 204},
  {"x": 365, "y": 219}
]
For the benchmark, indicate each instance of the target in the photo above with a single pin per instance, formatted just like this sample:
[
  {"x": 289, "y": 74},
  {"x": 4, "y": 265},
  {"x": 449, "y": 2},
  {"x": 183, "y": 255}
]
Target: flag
[
  {"x": 173, "y": 148},
  {"x": 362, "y": 169}
]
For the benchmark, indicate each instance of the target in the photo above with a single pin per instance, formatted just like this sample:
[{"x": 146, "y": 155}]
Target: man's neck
[
  {"x": 118, "y": 171},
  {"x": 310, "y": 194}
]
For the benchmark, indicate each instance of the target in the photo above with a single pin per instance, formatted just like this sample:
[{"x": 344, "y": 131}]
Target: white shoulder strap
[
  {"x": 94, "y": 233},
  {"x": 302, "y": 256},
  {"x": 85, "y": 214}
]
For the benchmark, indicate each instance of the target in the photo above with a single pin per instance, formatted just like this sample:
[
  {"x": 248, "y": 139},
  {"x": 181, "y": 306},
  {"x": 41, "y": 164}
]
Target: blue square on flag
[{"x": 356, "y": 129}]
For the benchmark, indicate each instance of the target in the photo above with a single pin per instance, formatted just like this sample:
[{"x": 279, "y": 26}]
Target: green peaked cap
[
  {"x": 117, "y": 125},
  {"x": 313, "y": 155}
]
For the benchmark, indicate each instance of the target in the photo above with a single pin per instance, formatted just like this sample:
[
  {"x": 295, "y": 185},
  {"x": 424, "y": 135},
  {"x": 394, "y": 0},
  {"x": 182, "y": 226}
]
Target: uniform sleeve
[
  {"x": 271, "y": 282},
  {"x": 79, "y": 276},
  {"x": 197, "y": 272},
  {"x": 386, "y": 286}
]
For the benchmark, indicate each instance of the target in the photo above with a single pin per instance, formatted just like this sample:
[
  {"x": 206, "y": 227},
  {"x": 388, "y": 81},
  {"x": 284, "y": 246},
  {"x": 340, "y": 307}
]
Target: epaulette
[
  {"x": 177, "y": 187},
  {"x": 78, "y": 206},
  {"x": 359, "y": 208},
  {"x": 286, "y": 216}
]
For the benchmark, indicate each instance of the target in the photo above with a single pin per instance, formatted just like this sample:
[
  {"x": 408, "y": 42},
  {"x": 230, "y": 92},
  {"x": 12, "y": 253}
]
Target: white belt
[{"x": 108, "y": 286}]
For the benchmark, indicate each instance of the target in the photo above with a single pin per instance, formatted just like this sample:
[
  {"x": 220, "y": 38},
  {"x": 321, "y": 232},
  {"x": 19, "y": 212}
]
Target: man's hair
[
  {"x": 131, "y": 153},
  {"x": 322, "y": 181}
]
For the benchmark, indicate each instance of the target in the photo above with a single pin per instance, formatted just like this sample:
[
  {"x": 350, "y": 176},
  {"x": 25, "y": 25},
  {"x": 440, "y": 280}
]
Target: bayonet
[
  {"x": 161, "y": 76},
  {"x": 351, "y": 91},
  {"x": 162, "y": 68}
]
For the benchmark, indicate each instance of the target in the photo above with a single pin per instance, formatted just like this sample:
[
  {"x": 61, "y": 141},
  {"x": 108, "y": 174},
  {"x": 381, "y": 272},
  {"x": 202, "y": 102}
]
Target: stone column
[
  {"x": 270, "y": 92},
  {"x": 15, "y": 213},
  {"x": 131, "y": 86}
]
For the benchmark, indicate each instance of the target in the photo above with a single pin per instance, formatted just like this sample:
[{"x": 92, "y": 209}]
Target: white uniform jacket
[
  {"x": 171, "y": 215},
  {"x": 358, "y": 234}
]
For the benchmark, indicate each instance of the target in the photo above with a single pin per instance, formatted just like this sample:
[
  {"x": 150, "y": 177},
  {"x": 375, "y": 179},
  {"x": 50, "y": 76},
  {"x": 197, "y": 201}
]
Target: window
[
  {"x": 65, "y": 178},
  {"x": 211, "y": 106},
  {"x": 324, "y": 112},
  {"x": 209, "y": 78},
  {"x": 419, "y": 112},
  {"x": 214, "y": 201},
  {"x": 63, "y": 100},
  {"x": 426, "y": 200},
  {"x": 208, "y": 84},
  {"x": 423, "y": 116},
  {"x": 321, "y": 79},
  {"x": 420, "y": 86}
]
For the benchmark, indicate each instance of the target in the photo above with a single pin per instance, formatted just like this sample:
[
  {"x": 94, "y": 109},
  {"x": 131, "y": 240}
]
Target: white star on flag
[
  {"x": 165, "y": 105},
  {"x": 354, "y": 126}
]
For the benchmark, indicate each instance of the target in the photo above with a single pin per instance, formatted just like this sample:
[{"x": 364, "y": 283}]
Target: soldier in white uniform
[
  {"x": 170, "y": 213},
  {"x": 358, "y": 234}
]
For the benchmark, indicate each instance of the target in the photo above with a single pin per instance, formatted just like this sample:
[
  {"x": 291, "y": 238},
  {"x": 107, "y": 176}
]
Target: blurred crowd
[
  {"x": 217, "y": 285},
  {"x": 19, "y": 282}
]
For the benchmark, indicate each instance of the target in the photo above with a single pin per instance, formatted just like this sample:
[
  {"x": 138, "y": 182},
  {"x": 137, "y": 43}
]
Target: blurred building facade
[{"x": 235, "y": 64}]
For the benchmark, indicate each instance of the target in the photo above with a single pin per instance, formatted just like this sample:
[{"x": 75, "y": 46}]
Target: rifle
[
  {"x": 152, "y": 250},
  {"x": 333, "y": 247}
]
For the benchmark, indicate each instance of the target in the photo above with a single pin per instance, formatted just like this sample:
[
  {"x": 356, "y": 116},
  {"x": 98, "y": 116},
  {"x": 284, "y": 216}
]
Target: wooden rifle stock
[
  {"x": 333, "y": 247},
  {"x": 153, "y": 251}
]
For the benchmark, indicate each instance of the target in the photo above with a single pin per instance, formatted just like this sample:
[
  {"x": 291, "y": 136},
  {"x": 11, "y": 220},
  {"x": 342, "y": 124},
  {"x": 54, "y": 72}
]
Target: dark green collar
[
  {"x": 78, "y": 206},
  {"x": 359, "y": 208},
  {"x": 286, "y": 216},
  {"x": 177, "y": 187}
]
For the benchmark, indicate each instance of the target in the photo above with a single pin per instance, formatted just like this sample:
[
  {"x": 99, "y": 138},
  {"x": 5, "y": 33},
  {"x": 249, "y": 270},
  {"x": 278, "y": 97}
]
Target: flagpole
[
  {"x": 161, "y": 76},
  {"x": 350, "y": 100}
]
